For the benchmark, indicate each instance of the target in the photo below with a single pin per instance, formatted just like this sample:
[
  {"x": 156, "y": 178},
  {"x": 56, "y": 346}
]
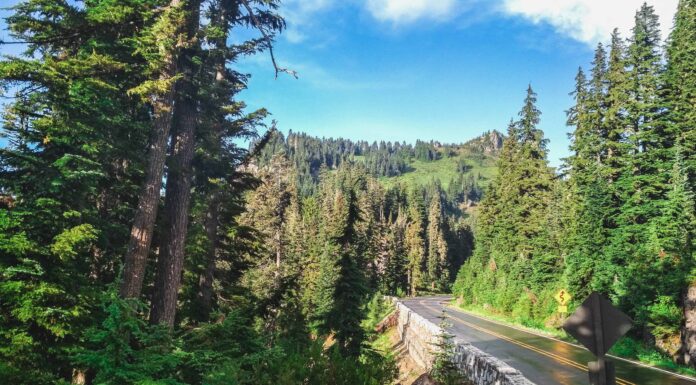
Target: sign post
[{"x": 597, "y": 325}]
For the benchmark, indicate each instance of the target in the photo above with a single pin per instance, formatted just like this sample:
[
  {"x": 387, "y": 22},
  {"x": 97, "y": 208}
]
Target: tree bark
[
  {"x": 211, "y": 223},
  {"x": 135, "y": 260},
  {"x": 178, "y": 189},
  {"x": 689, "y": 330},
  {"x": 205, "y": 281}
]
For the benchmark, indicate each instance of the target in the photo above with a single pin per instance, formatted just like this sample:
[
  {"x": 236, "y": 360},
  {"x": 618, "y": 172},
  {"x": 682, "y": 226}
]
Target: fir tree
[
  {"x": 437, "y": 259},
  {"x": 679, "y": 216},
  {"x": 415, "y": 242}
]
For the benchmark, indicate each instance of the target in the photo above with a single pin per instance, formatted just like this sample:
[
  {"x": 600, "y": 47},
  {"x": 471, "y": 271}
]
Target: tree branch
[{"x": 269, "y": 42}]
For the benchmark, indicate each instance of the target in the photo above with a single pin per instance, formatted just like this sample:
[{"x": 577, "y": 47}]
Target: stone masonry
[{"x": 420, "y": 337}]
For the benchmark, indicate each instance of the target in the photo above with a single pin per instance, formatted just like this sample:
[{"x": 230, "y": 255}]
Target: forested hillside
[
  {"x": 132, "y": 250},
  {"x": 154, "y": 230},
  {"x": 414, "y": 234},
  {"x": 463, "y": 170},
  {"x": 139, "y": 243},
  {"x": 619, "y": 217}
]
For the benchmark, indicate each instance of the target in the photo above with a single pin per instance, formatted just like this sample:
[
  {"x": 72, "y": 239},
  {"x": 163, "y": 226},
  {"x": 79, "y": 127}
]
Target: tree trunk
[
  {"x": 135, "y": 260},
  {"x": 205, "y": 281},
  {"x": 176, "y": 214},
  {"x": 211, "y": 223},
  {"x": 689, "y": 330},
  {"x": 178, "y": 190}
]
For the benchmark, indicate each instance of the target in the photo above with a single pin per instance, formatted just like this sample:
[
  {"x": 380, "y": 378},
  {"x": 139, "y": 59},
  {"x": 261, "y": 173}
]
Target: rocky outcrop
[
  {"x": 420, "y": 337},
  {"x": 489, "y": 143}
]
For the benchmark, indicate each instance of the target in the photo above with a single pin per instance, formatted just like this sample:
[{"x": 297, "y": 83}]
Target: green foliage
[
  {"x": 70, "y": 180},
  {"x": 376, "y": 310},
  {"x": 621, "y": 221},
  {"x": 515, "y": 258},
  {"x": 664, "y": 316},
  {"x": 633, "y": 349},
  {"x": 124, "y": 349},
  {"x": 67, "y": 243},
  {"x": 444, "y": 370}
]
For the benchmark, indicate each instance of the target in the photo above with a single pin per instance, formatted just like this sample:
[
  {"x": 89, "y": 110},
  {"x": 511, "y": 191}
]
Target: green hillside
[
  {"x": 445, "y": 169},
  {"x": 470, "y": 165}
]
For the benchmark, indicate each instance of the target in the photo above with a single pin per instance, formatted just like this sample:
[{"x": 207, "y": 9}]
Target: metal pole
[{"x": 599, "y": 340}]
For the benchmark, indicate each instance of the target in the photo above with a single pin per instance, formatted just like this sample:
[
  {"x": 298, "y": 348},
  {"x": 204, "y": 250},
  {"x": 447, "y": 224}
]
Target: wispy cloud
[
  {"x": 301, "y": 15},
  {"x": 305, "y": 17},
  {"x": 319, "y": 77},
  {"x": 406, "y": 11},
  {"x": 588, "y": 21}
]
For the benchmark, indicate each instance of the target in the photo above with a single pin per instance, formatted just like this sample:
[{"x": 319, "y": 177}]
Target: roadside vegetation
[
  {"x": 626, "y": 347},
  {"x": 155, "y": 230},
  {"x": 620, "y": 217}
]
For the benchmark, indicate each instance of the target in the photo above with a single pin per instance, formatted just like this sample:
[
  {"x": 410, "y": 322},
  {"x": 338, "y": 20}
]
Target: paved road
[{"x": 543, "y": 360}]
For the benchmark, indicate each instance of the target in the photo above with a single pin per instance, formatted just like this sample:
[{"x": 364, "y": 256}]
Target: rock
[
  {"x": 388, "y": 322},
  {"x": 424, "y": 379}
]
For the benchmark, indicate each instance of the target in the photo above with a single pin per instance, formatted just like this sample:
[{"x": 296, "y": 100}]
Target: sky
[{"x": 446, "y": 70}]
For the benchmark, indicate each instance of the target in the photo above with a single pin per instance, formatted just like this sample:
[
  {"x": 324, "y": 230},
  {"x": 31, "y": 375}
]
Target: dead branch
[{"x": 269, "y": 42}]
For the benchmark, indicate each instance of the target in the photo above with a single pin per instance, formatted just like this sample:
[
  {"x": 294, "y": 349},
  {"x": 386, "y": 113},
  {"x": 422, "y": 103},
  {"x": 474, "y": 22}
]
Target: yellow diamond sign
[{"x": 563, "y": 297}]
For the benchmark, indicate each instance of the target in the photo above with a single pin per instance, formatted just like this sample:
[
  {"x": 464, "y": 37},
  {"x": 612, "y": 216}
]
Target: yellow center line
[{"x": 558, "y": 358}]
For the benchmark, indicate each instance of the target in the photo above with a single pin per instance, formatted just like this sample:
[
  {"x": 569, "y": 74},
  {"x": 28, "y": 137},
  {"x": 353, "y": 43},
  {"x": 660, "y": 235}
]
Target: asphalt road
[{"x": 543, "y": 360}]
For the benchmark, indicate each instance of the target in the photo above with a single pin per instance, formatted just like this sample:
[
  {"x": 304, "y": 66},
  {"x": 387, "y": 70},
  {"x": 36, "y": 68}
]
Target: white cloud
[
  {"x": 300, "y": 15},
  {"x": 589, "y": 21},
  {"x": 405, "y": 11}
]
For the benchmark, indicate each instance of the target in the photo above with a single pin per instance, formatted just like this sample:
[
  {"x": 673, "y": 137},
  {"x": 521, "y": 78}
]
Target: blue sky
[
  {"x": 439, "y": 69},
  {"x": 431, "y": 69}
]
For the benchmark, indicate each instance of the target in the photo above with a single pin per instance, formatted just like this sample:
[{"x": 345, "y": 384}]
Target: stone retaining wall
[{"x": 420, "y": 337}]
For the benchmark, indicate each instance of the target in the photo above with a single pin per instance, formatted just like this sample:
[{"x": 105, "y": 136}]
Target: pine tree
[
  {"x": 170, "y": 261},
  {"x": 437, "y": 258},
  {"x": 513, "y": 257},
  {"x": 616, "y": 104},
  {"x": 159, "y": 89},
  {"x": 680, "y": 92},
  {"x": 585, "y": 245},
  {"x": 71, "y": 180},
  {"x": 445, "y": 370},
  {"x": 395, "y": 276},
  {"x": 415, "y": 241},
  {"x": 341, "y": 287},
  {"x": 643, "y": 182}
]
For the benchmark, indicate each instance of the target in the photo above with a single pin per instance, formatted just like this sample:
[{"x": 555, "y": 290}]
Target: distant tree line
[
  {"x": 311, "y": 156},
  {"x": 402, "y": 239}
]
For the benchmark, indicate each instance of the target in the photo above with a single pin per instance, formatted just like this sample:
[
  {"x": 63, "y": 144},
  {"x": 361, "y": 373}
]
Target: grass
[
  {"x": 636, "y": 350},
  {"x": 443, "y": 169},
  {"x": 626, "y": 347},
  {"x": 383, "y": 343},
  {"x": 378, "y": 308}
]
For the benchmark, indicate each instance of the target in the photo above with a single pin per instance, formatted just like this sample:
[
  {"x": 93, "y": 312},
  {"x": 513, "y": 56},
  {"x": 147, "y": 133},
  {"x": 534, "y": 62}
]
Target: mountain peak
[{"x": 489, "y": 143}]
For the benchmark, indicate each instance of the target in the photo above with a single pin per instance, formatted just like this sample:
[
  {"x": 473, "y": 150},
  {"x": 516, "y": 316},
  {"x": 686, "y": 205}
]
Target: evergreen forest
[{"x": 155, "y": 230}]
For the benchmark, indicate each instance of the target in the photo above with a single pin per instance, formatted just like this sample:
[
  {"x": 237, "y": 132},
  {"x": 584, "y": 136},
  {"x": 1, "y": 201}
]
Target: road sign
[
  {"x": 562, "y": 309},
  {"x": 597, "y": 324},
  {"x": 563, "y": 297}
]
